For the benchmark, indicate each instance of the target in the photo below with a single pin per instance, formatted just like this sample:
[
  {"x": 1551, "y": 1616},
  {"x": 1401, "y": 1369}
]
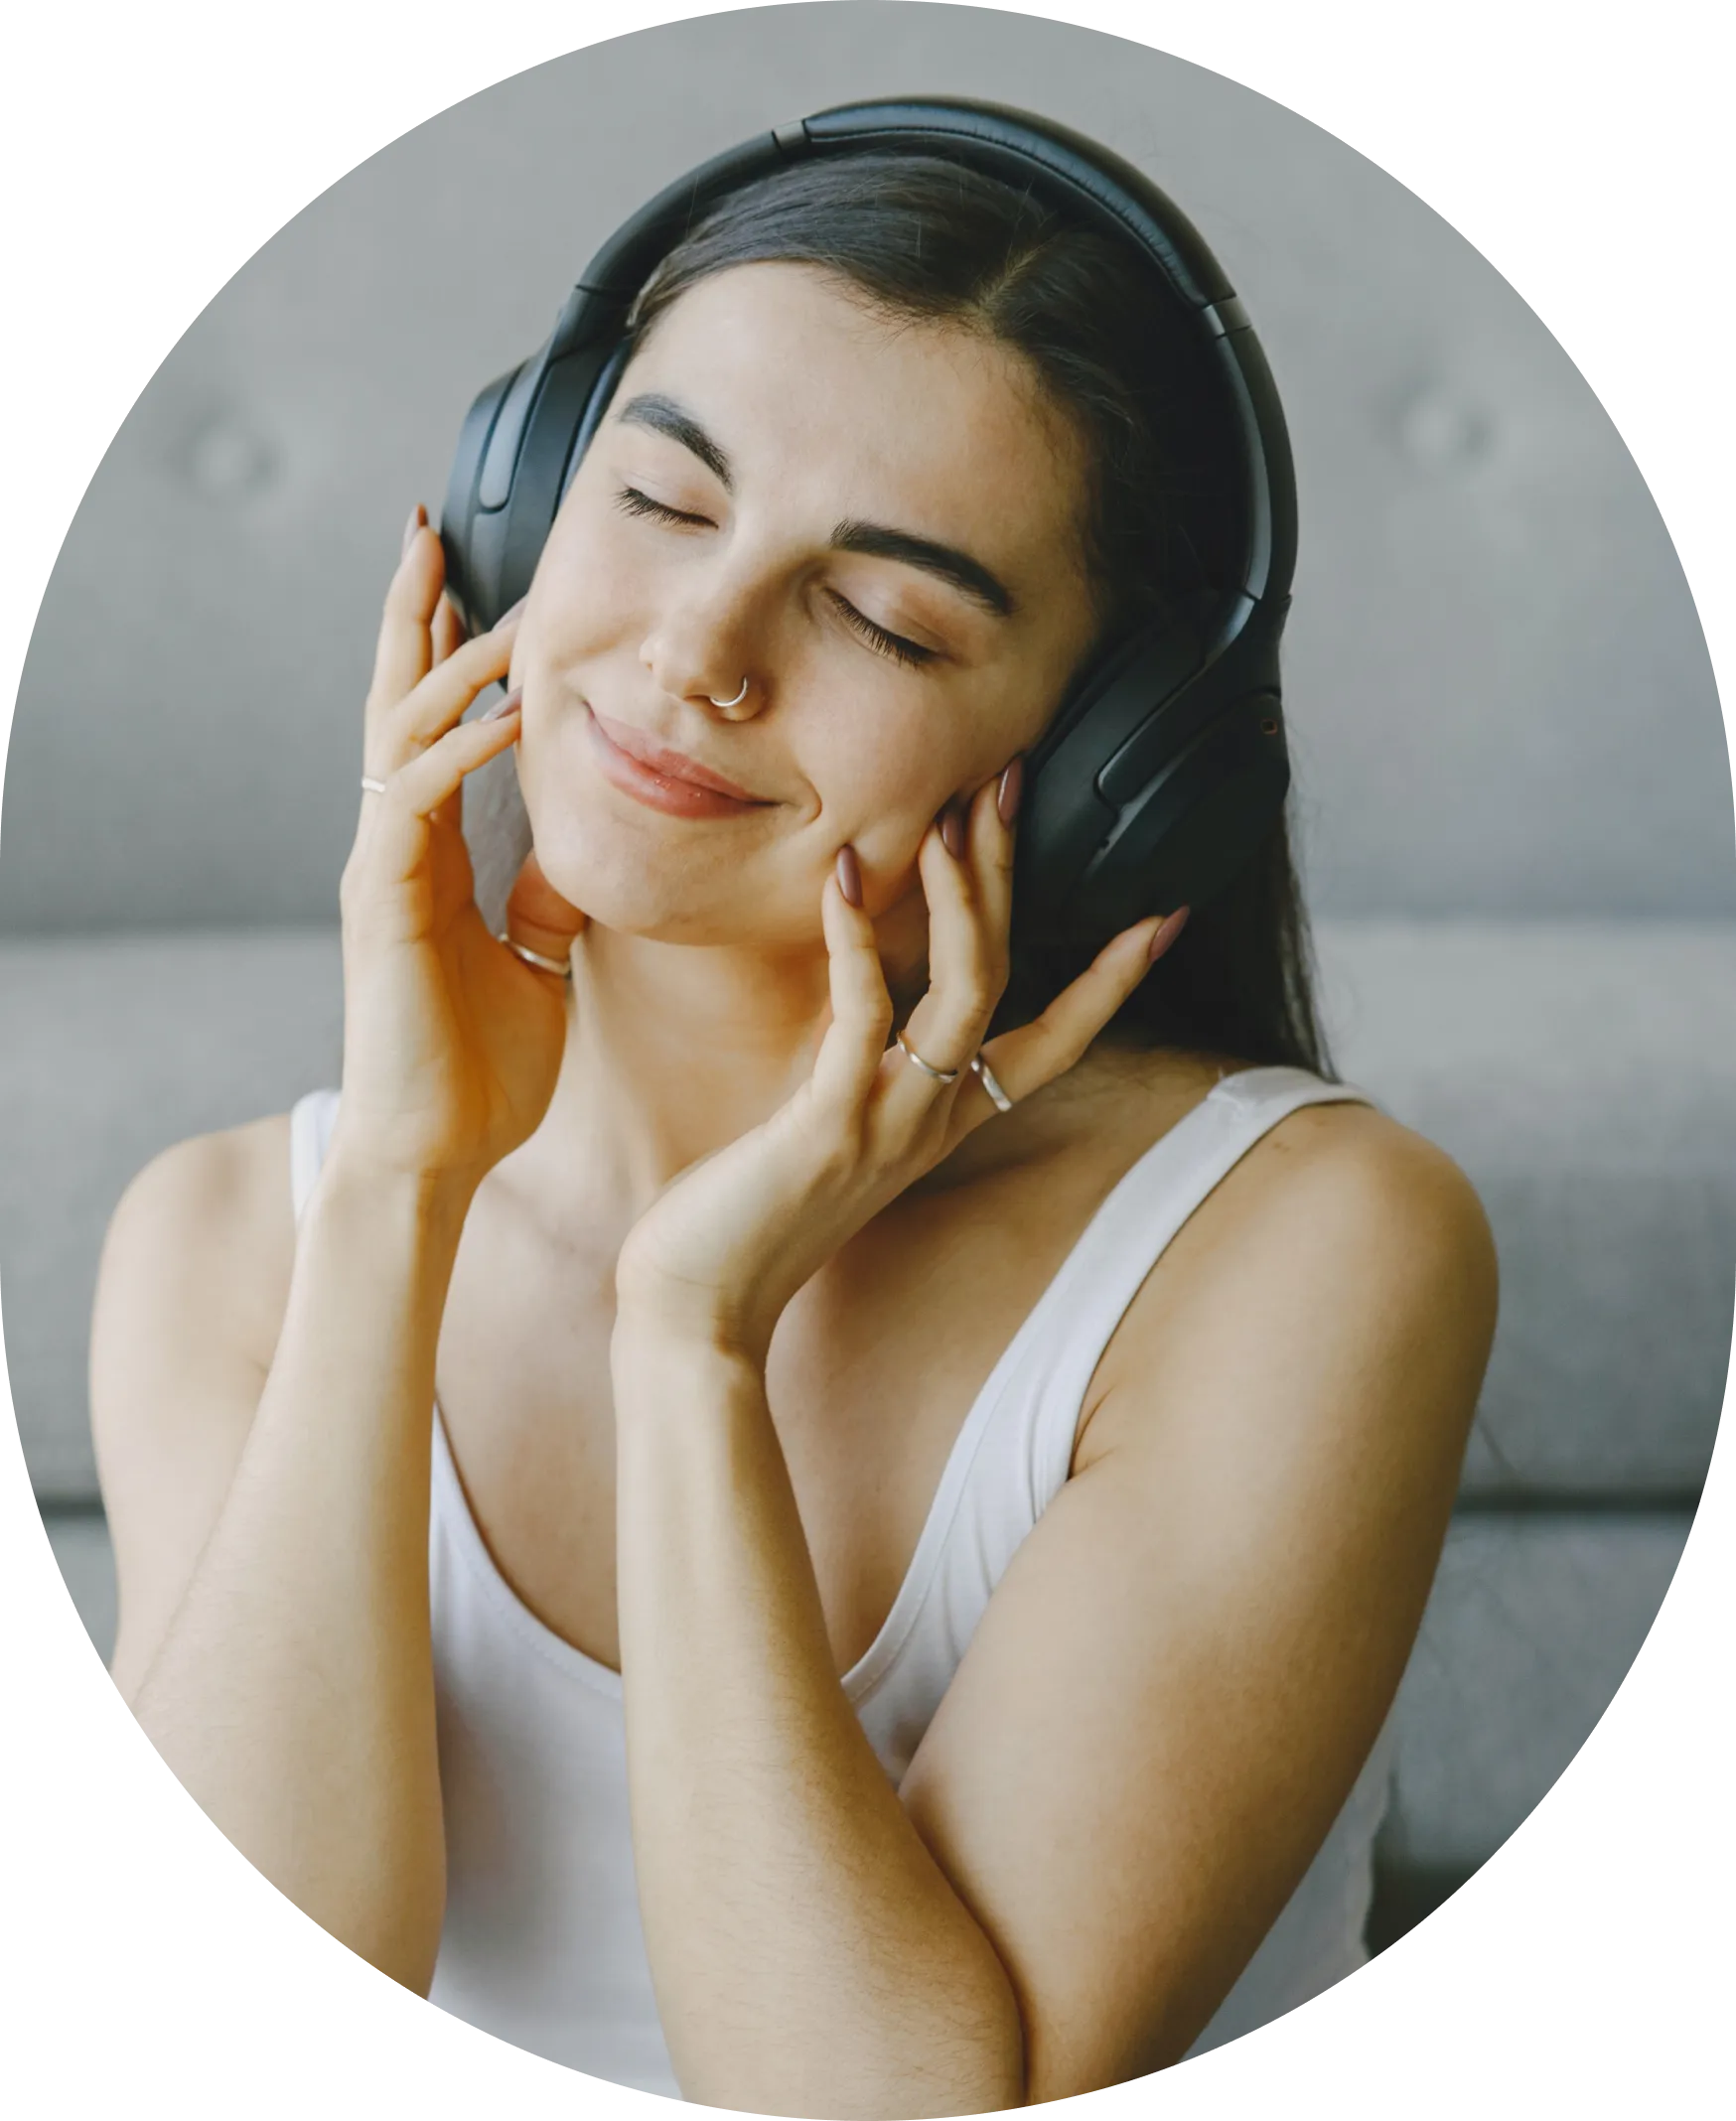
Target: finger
[
  {"x": 1037, "y": 1052},
  {"x": 854, "y": 1045},
  {"x": 448, "y": 629},
  {"x": 993, "y": 839},
  {"x": 446, "y": 633},
  {"x": 965, "y": 974},
  {"x": 990, "y": 840},
  {"x": 403, "y": 651},
  {"x": 418, "y": 789},
  {"x": 540, "y": 919},
  {"x": 443, "y": 695}
]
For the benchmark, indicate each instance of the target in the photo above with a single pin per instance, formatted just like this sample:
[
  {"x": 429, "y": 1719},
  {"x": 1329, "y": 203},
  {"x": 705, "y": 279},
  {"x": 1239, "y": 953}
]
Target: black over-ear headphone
[{"x": 1165, "y": 766}]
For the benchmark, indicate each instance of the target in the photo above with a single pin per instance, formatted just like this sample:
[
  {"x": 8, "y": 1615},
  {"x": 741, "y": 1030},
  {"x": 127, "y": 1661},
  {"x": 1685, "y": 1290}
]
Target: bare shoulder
[
  {"x": 1355, "y": 1175},
  {"x": 1376, "y": 1227},
  {"x": 190, "y": 1299},
  {"x": 1345, "y": 1261},
  {"x": 1372, "y": 1157},
  {"x": 1336, "y": 1196},
  {"x": 207, "y": 1231}
]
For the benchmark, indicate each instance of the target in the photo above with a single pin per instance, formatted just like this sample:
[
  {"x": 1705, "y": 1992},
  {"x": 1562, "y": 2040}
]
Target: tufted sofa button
[
  {"x": 227, "y": 459},
  {"x": 1438, "y": 429}
]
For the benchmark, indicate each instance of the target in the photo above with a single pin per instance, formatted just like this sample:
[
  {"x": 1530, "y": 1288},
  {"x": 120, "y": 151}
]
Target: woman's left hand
[{"x": 727, "y": 1244}]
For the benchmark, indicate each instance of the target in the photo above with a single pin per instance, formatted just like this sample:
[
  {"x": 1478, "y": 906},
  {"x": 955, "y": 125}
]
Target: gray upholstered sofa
[{"x": 1514, "y": 793}]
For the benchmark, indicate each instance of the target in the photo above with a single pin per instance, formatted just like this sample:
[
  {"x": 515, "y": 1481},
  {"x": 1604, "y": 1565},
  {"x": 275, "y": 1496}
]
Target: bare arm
[
  {"x": 274, "y": 1639},
  {"x": 263, "y": 1398}
]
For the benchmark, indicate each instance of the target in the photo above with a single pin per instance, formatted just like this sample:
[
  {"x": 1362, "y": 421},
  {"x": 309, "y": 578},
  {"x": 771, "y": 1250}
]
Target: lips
[{"x": 665, "y": 764}]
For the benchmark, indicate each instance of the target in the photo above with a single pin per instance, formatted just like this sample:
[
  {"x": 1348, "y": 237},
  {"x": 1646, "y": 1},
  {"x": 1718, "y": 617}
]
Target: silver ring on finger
[
  {"x": 985, "y": 1074},
  {"x": 535, "y": 958},
  {"x": 935, "y": 1074},
  {"x": 370, "y": 786}
]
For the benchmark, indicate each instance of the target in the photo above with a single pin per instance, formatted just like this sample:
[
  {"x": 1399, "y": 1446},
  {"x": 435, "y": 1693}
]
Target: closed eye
[
  {"x": 631, "y": 502},
  {"x": 909, "y": 652}
]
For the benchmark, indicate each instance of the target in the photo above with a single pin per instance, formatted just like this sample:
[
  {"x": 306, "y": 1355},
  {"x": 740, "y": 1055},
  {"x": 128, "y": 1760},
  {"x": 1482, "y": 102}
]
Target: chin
[
  {"x": 615, "y": 885},
  {"x": 664, "y": 879},
  {"x": 616, "y": 870}
]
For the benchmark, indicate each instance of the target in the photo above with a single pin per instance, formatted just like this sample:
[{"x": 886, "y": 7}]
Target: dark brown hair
[{"x": 917, "y": 237}]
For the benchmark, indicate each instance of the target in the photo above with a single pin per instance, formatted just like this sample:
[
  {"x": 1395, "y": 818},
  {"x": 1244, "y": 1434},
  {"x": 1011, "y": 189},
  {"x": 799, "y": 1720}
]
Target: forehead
[{"x": 926, "y": 425}]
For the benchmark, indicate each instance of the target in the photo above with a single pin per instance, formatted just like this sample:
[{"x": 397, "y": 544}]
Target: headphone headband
[{"x": 1166, "y": 766}]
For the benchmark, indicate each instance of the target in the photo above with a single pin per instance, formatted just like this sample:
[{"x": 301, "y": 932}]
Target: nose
[{"x": 702, "y": 652}]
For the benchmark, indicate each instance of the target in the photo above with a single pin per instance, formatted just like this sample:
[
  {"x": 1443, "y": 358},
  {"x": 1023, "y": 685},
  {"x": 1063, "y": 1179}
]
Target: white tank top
[{"x": 543, "y": 1944}]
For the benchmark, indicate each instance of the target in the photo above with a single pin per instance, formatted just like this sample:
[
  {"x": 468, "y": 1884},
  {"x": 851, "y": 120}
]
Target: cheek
[
  {"x": 881, "y": 775},
  {"x": 587, "y": 588}
]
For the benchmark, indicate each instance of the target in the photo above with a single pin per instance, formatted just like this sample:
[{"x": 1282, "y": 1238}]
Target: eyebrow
[
  {"x": 877, "y": 541},
  {"x": 971, "y": 576},
  {"x": 664, "y": 417}
]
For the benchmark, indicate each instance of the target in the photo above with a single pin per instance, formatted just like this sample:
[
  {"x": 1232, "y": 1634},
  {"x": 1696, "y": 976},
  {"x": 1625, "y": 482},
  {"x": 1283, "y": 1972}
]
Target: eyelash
[{"x": 631, "y": 502}]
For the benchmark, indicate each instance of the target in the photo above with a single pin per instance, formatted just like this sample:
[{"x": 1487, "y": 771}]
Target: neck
[{"x": 675, "y": 1050}]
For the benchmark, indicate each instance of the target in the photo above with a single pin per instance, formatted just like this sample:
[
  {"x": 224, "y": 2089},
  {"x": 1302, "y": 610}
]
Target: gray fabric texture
[{"x": 1531, "y": 1629}]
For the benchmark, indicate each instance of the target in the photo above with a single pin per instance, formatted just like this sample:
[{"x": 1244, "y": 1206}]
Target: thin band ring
[
  {"x": 985, "y": 1074},
  {"x": 372, "y": 787},
  {"x": 936, "y": 1075},
  {"x": 736, "y": 702},
  {"x": 535, "y": 958}
]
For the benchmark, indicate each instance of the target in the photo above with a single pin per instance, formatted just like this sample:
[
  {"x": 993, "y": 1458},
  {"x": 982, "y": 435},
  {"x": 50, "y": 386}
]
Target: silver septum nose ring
[{"x": 736, "y": 702}]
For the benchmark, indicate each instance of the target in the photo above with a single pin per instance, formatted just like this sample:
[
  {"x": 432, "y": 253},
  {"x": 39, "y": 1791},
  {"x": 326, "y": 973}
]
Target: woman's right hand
[{"x": 451, "y": 1041}]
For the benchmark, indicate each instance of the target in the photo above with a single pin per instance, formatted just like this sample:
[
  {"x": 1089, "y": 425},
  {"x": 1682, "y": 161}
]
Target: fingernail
[
  {"x": 1168, "y": 931},
  {"x": 506, "y": 617},
  {"x": 850, "y": 876},
  {"x": 1012, "y": 787},
  {"x": 502, "y": 708},
  {"x": 418, "y": 520},
  {"x": 952, "y": 829}
]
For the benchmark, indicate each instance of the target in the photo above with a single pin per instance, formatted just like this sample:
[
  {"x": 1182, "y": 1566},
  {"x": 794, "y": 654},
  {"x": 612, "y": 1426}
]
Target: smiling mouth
[
  {"x": 656, "y": 789},
  {"x": 670, "y": 766}
]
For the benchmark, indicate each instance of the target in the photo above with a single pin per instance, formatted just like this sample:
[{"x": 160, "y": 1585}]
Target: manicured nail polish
[
  {"x": 418, "y": 520},
  {"x": 502, "y": 708},
  {"x": 952, "y": 829},
  {"x": 1011, "y": 787},
  {"x": 850, "y": 876},
  {"x": 1167, "y": 933}
]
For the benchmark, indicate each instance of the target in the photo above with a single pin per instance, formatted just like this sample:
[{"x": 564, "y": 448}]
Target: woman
[{"x": 910, "y": 1561}]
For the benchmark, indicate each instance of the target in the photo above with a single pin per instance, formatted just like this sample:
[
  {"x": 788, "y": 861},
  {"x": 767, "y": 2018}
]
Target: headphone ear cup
[
  {"x": 1122, "y": 703},
  {"x": 602, "y": 394},
  {"x": 1197, "y": 823},
  {"x": 561, "y": 412},
  {"x": 520, "y": 442},
  {"x": 470, "y": 582}
]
